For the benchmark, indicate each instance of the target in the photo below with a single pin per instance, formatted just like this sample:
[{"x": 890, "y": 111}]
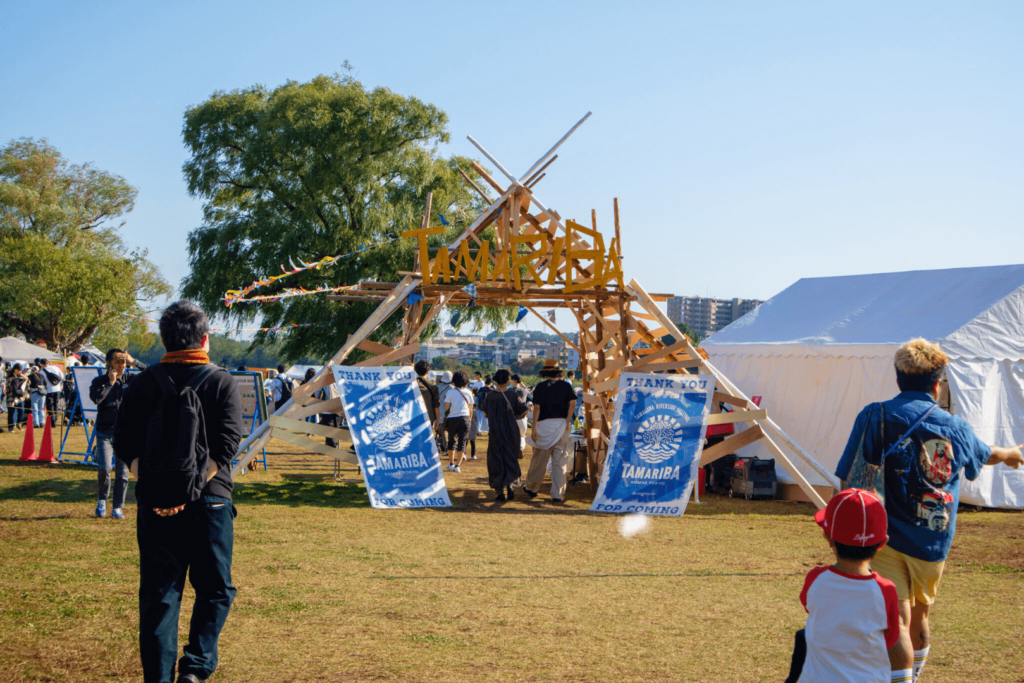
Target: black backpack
[
  {"x": 286, "y": 387},
  {"x": 173, "y": 469}
]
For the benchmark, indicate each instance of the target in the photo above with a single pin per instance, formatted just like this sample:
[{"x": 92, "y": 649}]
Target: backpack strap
[
  {"x": 198, "y": 379},
  {"x": 907, "y": 433},
  {"x": 163, "y": 379},
  {"x": 167, "y": 384}
]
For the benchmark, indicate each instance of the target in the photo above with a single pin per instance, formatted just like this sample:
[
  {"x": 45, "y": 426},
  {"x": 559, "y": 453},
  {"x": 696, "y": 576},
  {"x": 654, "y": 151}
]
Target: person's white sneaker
[
  {"x": 456, "y": 469},
  {"x": 449, "y": 468}
]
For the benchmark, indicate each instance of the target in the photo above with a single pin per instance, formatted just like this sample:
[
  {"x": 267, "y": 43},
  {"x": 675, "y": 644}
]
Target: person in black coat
[
  {"x": 503, "y": 408},
  {"x": 195, "y": 539}
]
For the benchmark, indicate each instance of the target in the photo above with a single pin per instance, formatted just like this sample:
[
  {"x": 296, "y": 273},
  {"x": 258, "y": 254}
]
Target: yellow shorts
[{"x": 916, "y": 580}]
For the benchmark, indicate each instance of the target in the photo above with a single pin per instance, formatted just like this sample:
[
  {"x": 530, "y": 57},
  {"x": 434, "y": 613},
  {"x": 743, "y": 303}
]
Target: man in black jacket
[
  {"x": 106, "y": 391},
  {"x": 194, "y": 539}
]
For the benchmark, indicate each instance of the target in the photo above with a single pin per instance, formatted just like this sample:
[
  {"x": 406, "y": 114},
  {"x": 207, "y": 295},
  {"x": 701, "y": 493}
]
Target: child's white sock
[
  {"x": 920, "y": 657},
  {"x": 902, "y": 676}
]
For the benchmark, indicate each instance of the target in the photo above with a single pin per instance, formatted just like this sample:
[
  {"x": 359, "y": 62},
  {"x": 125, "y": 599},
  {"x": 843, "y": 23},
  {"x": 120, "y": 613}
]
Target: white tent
[
  {"x": 16, "y": 349},
  {"x": 823, "y": 349}
]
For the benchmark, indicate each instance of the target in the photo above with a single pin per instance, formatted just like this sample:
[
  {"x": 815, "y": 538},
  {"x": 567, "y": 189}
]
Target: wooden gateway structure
[{"x": 538, "y": 261}]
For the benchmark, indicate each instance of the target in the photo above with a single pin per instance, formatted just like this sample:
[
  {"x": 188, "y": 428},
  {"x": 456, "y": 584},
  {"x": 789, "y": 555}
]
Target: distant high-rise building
[{"x": 707, "y": 316}]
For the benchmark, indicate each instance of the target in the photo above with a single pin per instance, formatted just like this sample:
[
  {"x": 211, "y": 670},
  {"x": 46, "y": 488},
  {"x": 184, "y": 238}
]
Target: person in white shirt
[
  {"x": 282, "y": 386},
  {"x": 478, "y": 381},
  {"x": 458, "y": 406},
  {"x": 54, "y": 379},
  {"x": 853, "y": 616}
]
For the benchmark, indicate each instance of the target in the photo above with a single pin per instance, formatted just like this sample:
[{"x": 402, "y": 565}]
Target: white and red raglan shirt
[{"x": 852, "y": 621}]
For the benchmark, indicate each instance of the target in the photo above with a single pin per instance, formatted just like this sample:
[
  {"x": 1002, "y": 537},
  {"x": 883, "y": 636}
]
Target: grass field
[{"x": 331, "y": 590}]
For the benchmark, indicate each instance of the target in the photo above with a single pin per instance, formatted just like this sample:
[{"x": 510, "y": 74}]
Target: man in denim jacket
[{"x": 922, "y": 486}]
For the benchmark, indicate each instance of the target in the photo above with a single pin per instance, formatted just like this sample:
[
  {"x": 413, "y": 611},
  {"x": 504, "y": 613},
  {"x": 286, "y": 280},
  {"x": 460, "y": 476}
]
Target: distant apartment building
[{"x": 707, "y": 316}]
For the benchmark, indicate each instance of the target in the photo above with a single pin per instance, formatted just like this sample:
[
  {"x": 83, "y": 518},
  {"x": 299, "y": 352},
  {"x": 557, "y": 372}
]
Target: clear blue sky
[{"x": 750, "y": 143}]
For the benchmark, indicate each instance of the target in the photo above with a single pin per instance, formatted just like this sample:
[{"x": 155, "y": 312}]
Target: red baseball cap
[{"x": 854, "y": 517}]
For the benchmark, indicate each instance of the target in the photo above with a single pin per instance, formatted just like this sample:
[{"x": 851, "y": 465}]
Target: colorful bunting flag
[{"x": 522, "y": 312}]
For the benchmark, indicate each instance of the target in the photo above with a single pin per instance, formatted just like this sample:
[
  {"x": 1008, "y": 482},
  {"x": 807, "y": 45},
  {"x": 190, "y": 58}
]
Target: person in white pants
[{"x": 554, "y": 402}]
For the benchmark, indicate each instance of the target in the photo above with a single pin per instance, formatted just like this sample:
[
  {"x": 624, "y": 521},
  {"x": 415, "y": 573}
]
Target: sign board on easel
[{"x": 254, "y": 405}]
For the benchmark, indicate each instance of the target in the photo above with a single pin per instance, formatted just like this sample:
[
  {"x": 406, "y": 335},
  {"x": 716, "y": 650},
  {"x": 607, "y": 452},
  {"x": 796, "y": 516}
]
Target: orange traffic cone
[
  {"x": 46, "y": 447},
  {"x": 28, "y": 448}
]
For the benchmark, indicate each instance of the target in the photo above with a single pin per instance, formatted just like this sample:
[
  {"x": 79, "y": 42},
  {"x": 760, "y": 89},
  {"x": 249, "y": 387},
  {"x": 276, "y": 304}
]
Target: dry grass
[{"x": 331, "y": 590}]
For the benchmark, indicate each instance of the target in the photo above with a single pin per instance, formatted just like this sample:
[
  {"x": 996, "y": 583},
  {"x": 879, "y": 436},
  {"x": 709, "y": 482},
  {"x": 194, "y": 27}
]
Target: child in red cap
[{"x": 852, "y": 613}]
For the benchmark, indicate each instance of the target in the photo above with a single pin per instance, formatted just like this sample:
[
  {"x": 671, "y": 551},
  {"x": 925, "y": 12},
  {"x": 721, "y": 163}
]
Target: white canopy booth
[
  {"x": 12, "y": 349},
  {"x": 822, "y": 349}
]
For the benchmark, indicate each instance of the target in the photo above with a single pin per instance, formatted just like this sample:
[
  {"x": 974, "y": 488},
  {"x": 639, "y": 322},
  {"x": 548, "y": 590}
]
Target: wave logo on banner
[
  {"x": 392, "y": 436},
  {"x": 388, "y": 426},
  {"x": 657, "y": 438}
]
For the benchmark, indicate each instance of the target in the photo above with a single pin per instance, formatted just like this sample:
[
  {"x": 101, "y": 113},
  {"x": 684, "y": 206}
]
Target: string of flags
[
  {"x": 289, "y": 293},
  {"x": 238, "y": 296},
  {"x": 242, "y": 329}
]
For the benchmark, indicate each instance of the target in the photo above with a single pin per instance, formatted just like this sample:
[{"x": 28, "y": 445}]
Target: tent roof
[
  {"x": 12, "y": 348},
  {"x": 977, "y": 312}
]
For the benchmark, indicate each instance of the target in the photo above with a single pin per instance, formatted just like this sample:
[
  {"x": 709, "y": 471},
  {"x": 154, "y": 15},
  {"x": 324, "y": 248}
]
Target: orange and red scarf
[{"x": 188, "y": 357}]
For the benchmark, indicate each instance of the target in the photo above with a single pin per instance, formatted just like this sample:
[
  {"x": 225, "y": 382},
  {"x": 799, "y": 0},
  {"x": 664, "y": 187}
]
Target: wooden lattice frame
[{"x": 620, "y": 330}]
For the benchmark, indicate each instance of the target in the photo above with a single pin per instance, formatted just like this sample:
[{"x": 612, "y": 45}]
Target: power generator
[
  {"x": 754, "y": 478},
  {"x": 718, "y": 474}
]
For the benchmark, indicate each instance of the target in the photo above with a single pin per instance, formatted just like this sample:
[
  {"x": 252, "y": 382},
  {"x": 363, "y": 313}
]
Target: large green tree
[
  {"x": 308, "y": 170},
  {"x": 66, "y": 276}
]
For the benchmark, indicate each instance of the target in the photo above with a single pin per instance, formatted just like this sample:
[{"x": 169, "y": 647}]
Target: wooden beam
[
  {"x": 306, "y": 427},
  {"x": 664, "y": 367},
  {"x": 372, "y": 347},
  {"x": 610, "y": 368},
  {"x": 661, "y": 353},
  {"x": 731, "y": 445},
  {"x": 731, "y": 400},
  {"x": 394, "y": 355},
  {"x": 434, "y": 310},
  {"x": 737, "y": 416},
  {"x": 308, "y": 444},
  {"x": 331, "y": 405}
]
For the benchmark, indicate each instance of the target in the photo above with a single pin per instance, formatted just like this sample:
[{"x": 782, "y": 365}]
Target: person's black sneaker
[
  {"x": 511, "y": 494},
  {"x": 557, "y": 500},
  {"x": 500, "y": 498},
  {"x": 528, "y": 492},
  {"x": 190, "y": 678}
]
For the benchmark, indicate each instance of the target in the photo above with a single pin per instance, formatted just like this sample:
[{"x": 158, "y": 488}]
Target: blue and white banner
[
  {"x": 657, "y": 439},
  {"x": 391, "y": 432}
]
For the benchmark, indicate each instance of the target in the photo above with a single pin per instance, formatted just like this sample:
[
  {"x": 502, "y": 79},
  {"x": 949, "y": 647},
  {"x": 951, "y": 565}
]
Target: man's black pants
[
  {"x": 52, "y": 401},
  {"x": 197, "y": 541}
]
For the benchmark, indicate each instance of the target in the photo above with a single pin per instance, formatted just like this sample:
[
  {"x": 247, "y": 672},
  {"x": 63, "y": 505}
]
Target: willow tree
[
  {"x": 309, "y": 170},
  {"x": 66, "y": 275}
]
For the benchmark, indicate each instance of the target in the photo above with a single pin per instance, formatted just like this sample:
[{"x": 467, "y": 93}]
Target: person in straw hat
[{"x": 554, "y": 402}]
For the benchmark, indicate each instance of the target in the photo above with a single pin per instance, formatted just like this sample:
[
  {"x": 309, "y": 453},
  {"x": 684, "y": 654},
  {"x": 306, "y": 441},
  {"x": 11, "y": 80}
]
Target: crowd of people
[
  {"x": 30, "y": 390},
  {"x": 513, "y": 416}
]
